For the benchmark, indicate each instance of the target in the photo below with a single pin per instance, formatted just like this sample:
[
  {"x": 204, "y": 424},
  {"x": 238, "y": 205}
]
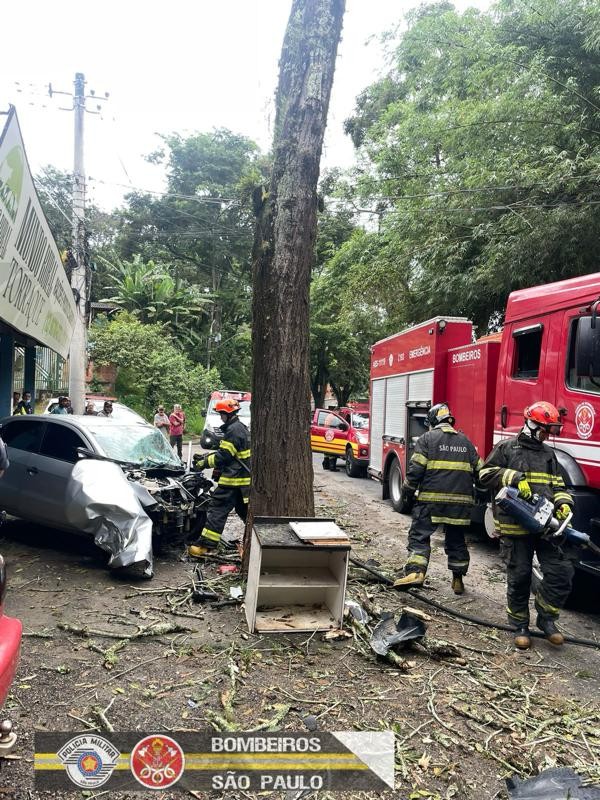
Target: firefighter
[
  {"x": 441, "y": 468},
  {"x": 232, "y": 460},
  {"x": 528, "y": 464}
]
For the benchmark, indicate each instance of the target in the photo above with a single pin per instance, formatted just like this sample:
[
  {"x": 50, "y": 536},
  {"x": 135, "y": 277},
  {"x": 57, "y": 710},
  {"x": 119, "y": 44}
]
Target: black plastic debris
[
  {"x": 557, "y": 783},
  {"x": 390, "y": 635},
  {"x": 311, "y": 722}
]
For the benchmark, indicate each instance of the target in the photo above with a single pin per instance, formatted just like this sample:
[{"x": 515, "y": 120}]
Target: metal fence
[{"x": 51, "y": 371}]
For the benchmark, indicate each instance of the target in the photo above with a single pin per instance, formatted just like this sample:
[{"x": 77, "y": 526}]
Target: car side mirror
[
  {"x": 587, "y": 347},
  {"x": 85, "y": 452},
  {"x": 344, "y": 426}
]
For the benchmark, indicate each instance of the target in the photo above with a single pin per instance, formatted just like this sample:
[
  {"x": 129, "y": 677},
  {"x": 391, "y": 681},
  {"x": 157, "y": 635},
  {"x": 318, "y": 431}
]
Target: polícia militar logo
[{"x": 89, "y": 760}]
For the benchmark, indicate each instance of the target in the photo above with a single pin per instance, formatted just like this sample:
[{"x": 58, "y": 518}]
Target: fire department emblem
[
  {"x": 391, "y": 360},
  {"x": 329, "y": 435},
  {"x": 584, "y": 420},
  {"x": 89, "y": 760},
  {"x": 157, "y": 762}
]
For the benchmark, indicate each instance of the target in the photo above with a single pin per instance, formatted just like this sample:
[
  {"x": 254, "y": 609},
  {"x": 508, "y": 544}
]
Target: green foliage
[
  {"x": 151, "y": 369},
  {"x": 480, "y": 158},
  {"x": 146, "y": 290}
]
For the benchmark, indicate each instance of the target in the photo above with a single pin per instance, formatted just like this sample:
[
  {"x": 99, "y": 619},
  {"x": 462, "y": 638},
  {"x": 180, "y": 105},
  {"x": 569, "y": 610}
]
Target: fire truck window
[
  {"x": 575, "y": 381},
  {"x": 528, "y": 349},
  {"x": 322, "y": 417}
]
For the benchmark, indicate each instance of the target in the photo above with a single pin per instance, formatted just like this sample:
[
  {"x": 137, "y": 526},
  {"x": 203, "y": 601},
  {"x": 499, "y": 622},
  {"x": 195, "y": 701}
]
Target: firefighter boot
[
  {"x": 522, "y": 638},
  {"x": 409, "y": 580},
  {"x": 550, "y": 631},
  {"x": 198, "y": 551},
  {"x": 458, "y": 586}
]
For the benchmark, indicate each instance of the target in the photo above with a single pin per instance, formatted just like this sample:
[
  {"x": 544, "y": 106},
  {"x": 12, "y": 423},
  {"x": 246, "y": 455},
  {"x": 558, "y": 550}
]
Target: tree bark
[{"x": 282, "y": 475}]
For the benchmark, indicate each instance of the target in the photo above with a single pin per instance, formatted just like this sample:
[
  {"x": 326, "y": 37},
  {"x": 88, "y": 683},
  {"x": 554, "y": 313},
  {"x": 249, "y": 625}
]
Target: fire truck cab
[{"x": 549, "y": 349}]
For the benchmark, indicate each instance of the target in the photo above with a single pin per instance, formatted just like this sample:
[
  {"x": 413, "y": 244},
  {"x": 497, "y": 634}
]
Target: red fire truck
[{"x": 549, "y": 349}]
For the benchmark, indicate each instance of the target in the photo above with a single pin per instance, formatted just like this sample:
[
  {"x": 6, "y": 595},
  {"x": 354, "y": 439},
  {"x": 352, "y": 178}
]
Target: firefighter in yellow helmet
[
  {"x": 442, "y": 469},
  {"x": 232, "y": 460}
]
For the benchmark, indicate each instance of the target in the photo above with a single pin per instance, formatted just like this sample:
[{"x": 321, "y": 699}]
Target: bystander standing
[
  {"x": 177, "y": 421},
  {"x": 161, "y": 421}
]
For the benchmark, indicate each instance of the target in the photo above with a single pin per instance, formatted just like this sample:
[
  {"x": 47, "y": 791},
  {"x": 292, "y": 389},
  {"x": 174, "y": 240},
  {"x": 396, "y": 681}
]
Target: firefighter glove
[
  {"x": 199, "y": 462},
  {"x": 563, "y": 511},
  {"x": 524, "y": 489}
]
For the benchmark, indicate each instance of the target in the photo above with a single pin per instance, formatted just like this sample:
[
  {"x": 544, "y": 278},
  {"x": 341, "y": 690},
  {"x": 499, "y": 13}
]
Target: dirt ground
[{"x": 462, "y": 724}]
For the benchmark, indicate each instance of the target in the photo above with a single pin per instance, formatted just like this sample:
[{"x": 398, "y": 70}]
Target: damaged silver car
[{"x": 118, "y": 481}]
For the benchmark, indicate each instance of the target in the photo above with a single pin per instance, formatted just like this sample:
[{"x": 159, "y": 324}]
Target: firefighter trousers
[
  {"x": 223, "y": 501},
  {"x": 517, "y": 553},
  {"x": 419, "y": 543}
]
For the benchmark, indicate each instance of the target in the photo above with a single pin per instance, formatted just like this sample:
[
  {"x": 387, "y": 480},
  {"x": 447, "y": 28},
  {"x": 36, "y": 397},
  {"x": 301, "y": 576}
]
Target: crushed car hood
[{"x": 102, "y": 502}]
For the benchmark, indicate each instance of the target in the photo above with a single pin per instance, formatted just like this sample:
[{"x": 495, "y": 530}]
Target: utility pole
[
  {"x": 79, "y": 272},
  {"x": 78, "y": 350}
]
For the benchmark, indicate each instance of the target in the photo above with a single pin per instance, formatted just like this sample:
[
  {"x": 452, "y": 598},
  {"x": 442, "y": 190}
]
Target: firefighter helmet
[
  {"x": 437, "y": 414},
  {"x": 227, "y": 406},
  {"x": 544, "y": 415}
]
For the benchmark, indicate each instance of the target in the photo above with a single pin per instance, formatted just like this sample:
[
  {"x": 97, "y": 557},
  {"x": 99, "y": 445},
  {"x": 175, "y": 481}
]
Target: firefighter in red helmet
[
  {"x": 530, "y": 465},
  {"x": 232, "y": 460}
]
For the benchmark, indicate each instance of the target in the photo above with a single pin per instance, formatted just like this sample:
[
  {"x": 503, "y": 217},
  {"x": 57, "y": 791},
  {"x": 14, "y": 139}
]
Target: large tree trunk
[{"x": 282, "y": 476}]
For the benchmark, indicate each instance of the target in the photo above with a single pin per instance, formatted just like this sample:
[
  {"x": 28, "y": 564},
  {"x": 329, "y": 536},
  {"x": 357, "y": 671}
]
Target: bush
[{"x": 151, "y": 369}]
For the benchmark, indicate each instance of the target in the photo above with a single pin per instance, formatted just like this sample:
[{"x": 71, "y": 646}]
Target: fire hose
[{"x": 460, "y": 614}]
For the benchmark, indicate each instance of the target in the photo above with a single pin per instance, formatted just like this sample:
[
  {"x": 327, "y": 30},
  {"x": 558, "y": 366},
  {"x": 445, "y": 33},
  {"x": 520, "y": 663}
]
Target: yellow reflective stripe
[
  {"x": 244, "y": 453},
  {"x": 464, "y": 466},
  {"x": 210, "y": 460},
  {"x": 545, "y": 475},
  {"x": 546, "y": 606},
  {"x": 227, "y": 446},
  {"x": 517, "y": 614},
  {"x": 419, "y": 459},
  {"x": 449, "y": 521},
  {"x": 415, "y": 558},
  {"x": 479, "y": 464},
  {"x": 246, "y": 500},
  {"x": 558, "y": 482},
  {"x": 508, "y": 477},
  {"x": 562, "y": 497},
  {"x": 234, "y": 481},
  {"x": 506, "y": 529},
  {"x": 212, "y": 535},
  {"x": 444, "y": 497}
]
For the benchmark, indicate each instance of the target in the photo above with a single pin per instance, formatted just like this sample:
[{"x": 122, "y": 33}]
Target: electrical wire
[{"x": 461, "y": 615}]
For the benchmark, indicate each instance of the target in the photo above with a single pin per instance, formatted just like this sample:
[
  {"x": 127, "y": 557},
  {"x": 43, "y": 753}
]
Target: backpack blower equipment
[{"x": 537, "y": 516}]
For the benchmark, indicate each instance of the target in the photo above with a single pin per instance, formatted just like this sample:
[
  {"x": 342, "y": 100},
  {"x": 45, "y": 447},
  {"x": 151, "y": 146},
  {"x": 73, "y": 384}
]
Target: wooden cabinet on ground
[{"x": 294, "y": 585}]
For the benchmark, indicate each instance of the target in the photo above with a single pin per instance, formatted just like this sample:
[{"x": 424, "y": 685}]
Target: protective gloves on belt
[
  {"x": 524, "y": 489},
  {"x": 563, "y": 511}
]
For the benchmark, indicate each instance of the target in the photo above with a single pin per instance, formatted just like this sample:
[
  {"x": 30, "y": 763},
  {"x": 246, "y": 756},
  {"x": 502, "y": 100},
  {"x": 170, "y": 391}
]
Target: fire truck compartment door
[
  {"x": 395, "y": 406},
  {"x": 377, "y": 422},
  {"x": 420, "y": 386}
]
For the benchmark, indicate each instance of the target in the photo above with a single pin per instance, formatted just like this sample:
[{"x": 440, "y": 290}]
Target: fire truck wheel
[
  {"x": 395, "y": 487},
  {"x": 354, "y": 469}
]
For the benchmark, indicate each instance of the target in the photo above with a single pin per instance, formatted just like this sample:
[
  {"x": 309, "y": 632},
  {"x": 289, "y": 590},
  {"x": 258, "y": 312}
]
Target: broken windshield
[{"x": 137, "y": 444}]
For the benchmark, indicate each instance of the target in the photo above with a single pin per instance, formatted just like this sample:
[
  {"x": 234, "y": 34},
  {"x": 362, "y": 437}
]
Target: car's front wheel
[{"x": 354, "y": 469}]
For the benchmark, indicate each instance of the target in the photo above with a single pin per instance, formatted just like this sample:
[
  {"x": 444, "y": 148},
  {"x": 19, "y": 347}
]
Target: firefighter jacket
[
  {"x": 232, "y": 459},
  {"x": 442, "y": 469},
  {"x": 521, "y": 458}
]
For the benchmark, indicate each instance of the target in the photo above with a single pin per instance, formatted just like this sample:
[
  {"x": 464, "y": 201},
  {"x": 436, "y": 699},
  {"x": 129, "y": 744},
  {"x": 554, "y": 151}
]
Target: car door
[
  {"x": 57, "y": 456},
  {"x": 23, "y": 437}
]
